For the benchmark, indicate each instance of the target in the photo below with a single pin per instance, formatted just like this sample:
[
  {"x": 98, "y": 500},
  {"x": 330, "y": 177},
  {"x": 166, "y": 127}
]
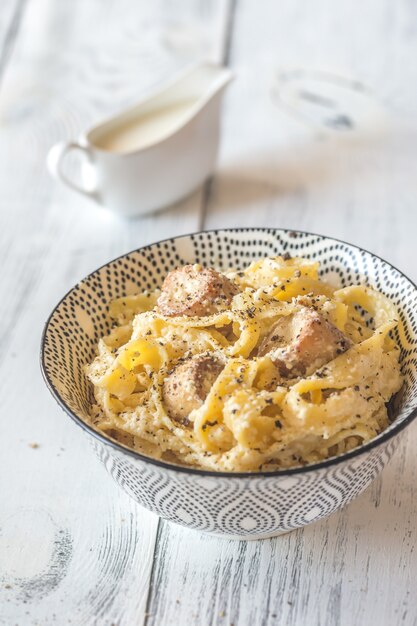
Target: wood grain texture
[
  {"x": 357, "y": 567},
  {"x": 73, "y": 548},
  {"x": 10, "y": 16}
]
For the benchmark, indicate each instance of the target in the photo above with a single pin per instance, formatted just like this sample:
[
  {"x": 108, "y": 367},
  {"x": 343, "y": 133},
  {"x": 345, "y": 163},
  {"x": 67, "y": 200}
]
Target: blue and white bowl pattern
[{"x": 244, "y": 505}]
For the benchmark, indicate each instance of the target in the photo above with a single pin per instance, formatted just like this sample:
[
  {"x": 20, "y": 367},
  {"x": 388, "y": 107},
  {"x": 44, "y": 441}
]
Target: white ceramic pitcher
[{"x": 155, "y": 153}]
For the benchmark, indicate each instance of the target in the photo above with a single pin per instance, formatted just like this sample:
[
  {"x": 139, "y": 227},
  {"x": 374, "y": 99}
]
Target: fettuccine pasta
[{"x": 261, "y": 369}]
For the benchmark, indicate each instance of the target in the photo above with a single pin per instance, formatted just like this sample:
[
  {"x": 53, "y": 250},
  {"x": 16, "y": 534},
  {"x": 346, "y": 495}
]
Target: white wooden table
[{"x": 73, "y": 548}]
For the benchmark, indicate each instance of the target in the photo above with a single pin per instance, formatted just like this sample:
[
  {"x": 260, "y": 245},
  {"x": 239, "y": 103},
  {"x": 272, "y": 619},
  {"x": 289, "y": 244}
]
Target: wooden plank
[
  {"x": 358, "y": 567},
  {"x": 74, "y": 549},
  {"x": 277, "y": 172},
  {"x": 337, "y": 571},
  {"x": 10, "y": 16}
]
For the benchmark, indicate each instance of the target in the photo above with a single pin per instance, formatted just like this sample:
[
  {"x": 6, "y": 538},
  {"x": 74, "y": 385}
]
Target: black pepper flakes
[{"x": 208, "y": 423}]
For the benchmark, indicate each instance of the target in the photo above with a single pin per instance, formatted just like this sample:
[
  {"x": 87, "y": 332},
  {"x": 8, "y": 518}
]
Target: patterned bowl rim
[{"x": 393, "y": 429}]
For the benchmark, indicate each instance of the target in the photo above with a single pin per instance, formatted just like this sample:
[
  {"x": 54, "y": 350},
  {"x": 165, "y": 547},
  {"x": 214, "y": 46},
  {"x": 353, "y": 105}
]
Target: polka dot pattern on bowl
[{"x": 243, "y": 506}]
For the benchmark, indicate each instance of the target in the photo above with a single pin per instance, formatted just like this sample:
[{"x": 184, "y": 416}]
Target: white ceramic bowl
[{"x": 244, "y": 505}]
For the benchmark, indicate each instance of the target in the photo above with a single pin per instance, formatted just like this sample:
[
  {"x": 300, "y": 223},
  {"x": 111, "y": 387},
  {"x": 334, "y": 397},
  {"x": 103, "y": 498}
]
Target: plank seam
[
  {"x": 151, "y": 575},
  {"x": 11, "y": 37},
  {"x": 231, "y": 18},
  {"x": 225, "y": 59},
  {"x": 205, "y": 199}
]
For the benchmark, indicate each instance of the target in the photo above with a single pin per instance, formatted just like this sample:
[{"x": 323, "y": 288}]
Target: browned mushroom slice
[
  {"x": 188, "y": 385},
  {"x": 194, "y": 290},
  {"x": 301, "y": 343}
]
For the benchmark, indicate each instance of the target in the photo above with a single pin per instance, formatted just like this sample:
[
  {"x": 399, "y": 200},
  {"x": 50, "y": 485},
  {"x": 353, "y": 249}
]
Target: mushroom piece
[
  {"x": 301, "y": 343},
  {"x": 188, "y": 385},
  {"x": 193, "y": 290}
]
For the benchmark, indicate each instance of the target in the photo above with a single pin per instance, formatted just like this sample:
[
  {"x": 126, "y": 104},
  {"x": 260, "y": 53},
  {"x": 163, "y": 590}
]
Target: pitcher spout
[{"x": 208, "y": 80}]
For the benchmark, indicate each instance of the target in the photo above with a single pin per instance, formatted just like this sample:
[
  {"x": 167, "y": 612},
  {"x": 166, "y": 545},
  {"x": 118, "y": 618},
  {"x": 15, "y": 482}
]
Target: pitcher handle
[{"x": 55, "y": 159}]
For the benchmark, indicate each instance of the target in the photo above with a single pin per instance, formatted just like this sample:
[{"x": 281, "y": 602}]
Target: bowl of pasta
[{"x": 241, "y": 382}]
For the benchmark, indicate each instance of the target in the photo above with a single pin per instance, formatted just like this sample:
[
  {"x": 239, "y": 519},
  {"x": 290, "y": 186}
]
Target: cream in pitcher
[
  {"x": 145, "y": 130},
  {"x": 156, "y": 153}
]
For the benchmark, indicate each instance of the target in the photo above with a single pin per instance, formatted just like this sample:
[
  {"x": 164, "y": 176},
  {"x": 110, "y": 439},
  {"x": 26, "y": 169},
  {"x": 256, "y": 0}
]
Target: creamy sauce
[{"x": 145, "y": 130}]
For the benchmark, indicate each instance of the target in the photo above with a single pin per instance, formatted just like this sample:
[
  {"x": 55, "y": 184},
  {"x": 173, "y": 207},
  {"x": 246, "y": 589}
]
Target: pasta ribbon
[
  {"x": 246, "y": 410},
  {"x": 142, "y": 352},
  {"x": 119, "y": 382}
]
